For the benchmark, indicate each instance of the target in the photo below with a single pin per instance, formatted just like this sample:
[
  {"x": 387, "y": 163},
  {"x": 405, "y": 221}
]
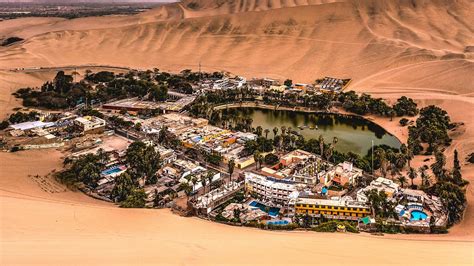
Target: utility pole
[{"x": 372, "y": 157}]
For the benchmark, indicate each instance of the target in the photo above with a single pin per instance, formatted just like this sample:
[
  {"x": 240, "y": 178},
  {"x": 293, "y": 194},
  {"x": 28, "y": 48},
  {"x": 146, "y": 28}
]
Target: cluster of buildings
[
  {"x": 326, "y": 84},
  {"x": 51, "y": 131},
  {"x": 329, "y": 84},
  {"x": 301, "y": 176},
  {"x": 196, "y": 133},
  {"x": 134, "y": 105}
]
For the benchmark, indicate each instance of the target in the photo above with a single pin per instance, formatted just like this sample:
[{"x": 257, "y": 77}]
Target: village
[{"x": 207, "y": 170}]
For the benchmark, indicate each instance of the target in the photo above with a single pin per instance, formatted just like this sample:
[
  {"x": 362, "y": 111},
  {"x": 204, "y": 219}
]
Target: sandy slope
[{"x": 422, "y": 49}]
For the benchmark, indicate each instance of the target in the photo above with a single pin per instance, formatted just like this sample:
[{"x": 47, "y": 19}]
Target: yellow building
[{"x": 332, "y": 209}]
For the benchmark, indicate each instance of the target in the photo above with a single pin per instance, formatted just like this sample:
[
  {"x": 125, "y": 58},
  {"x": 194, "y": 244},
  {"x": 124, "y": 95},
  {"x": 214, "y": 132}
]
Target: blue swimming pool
[
  {"x": 272, "y": 211},
  {"x": 279, "y": 222},
  {"x": 113, "y": 170},
  {"x": 418, "y": 215}
]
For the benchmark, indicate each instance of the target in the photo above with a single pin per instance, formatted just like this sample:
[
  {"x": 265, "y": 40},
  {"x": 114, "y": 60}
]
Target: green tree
[
  {"x": 158, "y": 92},
  {"x": 425, "y": 178},
  {"x": 230, "y": 167},
  {"x": 405, "y": 106},
  {"x": 456, "y": 172},
  {"x": 258, "y": 131},
  {"x": 123, "y": 187},
  {"x": 412, "y": 175},
  {"x": 288, "y": 82},
  {"x": 204, "y": 183},
  {"x": 89, "y": 174},
  {"x": 453, "y": 198},
  {"x": 62, "y": 82},
  {"x": 321, "y": 145},
  {"x": 266, "y": 131},
  {"x": 257, "y": 158},
  {"x": 275, "y": 132},
  {"x": 402, "y": 180},
  {"x": 143, "y": 160},
  {"x": 136, "y": 199},
  {"x": 438, "y": 166}
]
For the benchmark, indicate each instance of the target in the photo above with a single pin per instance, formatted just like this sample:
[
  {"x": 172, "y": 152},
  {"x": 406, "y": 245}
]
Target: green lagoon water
[{"x": 354, "y": 133}]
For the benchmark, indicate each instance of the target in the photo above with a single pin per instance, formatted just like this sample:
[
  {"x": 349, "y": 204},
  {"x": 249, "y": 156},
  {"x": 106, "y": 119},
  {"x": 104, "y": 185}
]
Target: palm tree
[
  {"x": 266, "y": 131},
  {"x": 258, "y": 131},
  {"x": 187, "y": 190},
  {"x": 412, "y": 174},
  {"x": 283, "y": 130},
  {"x": 74, "y": 74},
  {"x": 204, "y": 183},
  {"x": 256, "y": 158},
  {"x": 230, "y": 167},
  {"x": 275, "y": 132},
  {"x": 209, "y": 177},
  {"x": 380, "y": 154},
  {"x": 425, "y": 178},
  {"x": 321, "y": 145},
  {"x": 194, "y": 180},
  {"x": 293, "y": 140},
  {"x": 402, "y": 180},
  {"x": 334, "y": 142}
]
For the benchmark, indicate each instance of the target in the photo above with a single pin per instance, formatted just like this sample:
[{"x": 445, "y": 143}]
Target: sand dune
[
  {"x": 422, "y": 49},
  {"x": 302, "y": 42}
]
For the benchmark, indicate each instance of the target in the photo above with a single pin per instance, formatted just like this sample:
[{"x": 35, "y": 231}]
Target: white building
[
  {"x": 271, "y": 192},
  {"x": 380, "y": 184},
  {"x": 90, "y": 124},
  {"x": 167, "y": 156}
]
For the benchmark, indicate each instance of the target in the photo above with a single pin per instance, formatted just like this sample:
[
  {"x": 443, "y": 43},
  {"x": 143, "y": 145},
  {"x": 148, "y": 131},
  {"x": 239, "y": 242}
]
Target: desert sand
[{"x": 421, "y": 49}]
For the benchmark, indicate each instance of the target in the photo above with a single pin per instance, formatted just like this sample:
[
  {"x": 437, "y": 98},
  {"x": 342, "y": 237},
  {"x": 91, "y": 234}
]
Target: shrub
[
  {"x": 331, "y": 226},
  {"x": 403, "y": 122},
  {"x": 4, "y": 124},
  {"x": 271, "y": 159}
]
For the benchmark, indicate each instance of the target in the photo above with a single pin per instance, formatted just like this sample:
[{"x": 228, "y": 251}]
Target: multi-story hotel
[
  {"x": 272, "y": 192},
  {"x": 331, "y": 209}
]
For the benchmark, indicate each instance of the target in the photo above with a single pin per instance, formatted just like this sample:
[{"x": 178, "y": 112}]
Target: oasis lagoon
[{"x": 355, "y": 134}]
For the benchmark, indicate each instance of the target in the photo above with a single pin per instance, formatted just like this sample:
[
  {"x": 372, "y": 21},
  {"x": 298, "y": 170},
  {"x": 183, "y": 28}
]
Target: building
[
  {"x": 270, "y": 191},
  {"x": 27, "y": 126},
  {"x": 301, "y": 167},
  {"x": 345, "y": 173},
  {"x": 90, "y": 124},
  {"x": 414, "y": 195},
  {"x": 328, "y": 84},
  {"x": 167, "y": 156},
  {"x": 294, "y": 157},
  {"x": 134, "y": 105},
  {"x": 345, "y": 209},
  {"x": 380, "y": 184}
]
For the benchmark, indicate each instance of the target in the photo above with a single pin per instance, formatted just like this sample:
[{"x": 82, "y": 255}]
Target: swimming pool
[
  {"x": 418, "y": 215},
  {"x": 114, "y": 170},
  {"x": 272, "y": 211},
  {"x": 278, "y": 222}
]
